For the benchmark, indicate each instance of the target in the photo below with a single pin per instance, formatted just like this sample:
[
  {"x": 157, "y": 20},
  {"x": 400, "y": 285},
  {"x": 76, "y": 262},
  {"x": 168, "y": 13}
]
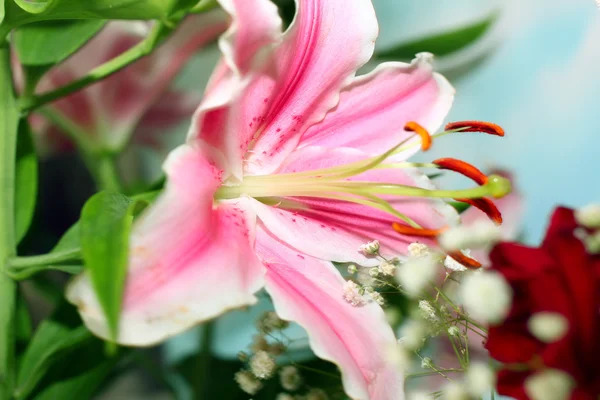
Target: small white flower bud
[
  {"x": 480, "y": 234},
  {"x": 588, "y": 216},
  {"x": 427, "y": 310},
  {"x": 270, "y": 321},
  {"x": 377, "y": 298},
  {"x": 316, "y": 394},
  {"x": 284, "y": 396},
  {"x": 290, "y": 378},
  {"x": 248, "y": 382},
  {"x": 374, "y": 272},
  {"x": 454, "y": 391},
  {"x": 352, "y": 269},
  {"x": 548, "y": 326},
  {"x": 413, "y": 334},
  {"x": 370, "y": 249},
  {"x": 417, "y": 250},
  {"x": 420, "y": 396},
  {"x": 479, "y": 379},
  {"x": 426, "y": 363},
  {"x": 453, "y": 265},
  {"x": 352, "y": 294},
  {"x": 262, "y": 365},
  {"x": 415, "y": 274},
  {"x": 592, "y": 243},
  {"x": 550, "y": 384},
  {"x": 486, "y": 296},
  {"x": 454, "y": 331},
  {"x": 387, "y": 268}
]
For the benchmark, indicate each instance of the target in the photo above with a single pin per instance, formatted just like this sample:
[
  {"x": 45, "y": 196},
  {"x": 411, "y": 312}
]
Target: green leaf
[
  {"x": 104, "y": 229},
  {"x": 103, "y": 9},
  {"x": 50, "y": 42},
  {"x": 79, "y": 374},
  {"x": 53, "y": 339},
  {"x": 26, "y": 176},
  {"x": 460, "y": 207},
  {"x": 441, "y": 44},
  {"x": 1, "y": 11}
]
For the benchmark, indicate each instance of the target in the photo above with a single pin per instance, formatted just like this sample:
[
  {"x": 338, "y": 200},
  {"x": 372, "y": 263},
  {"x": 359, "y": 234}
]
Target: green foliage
[
  {"x": 26, "y": 176},
  {"x": 103, "y": 9},
  {"x": 54, "y": 338},
  {"x": 81, "y": 374},
  {"x": 441, "y": 44},
  {"x": 104, "y": 228},
  {"x": 50, "y": 42},
  {"x": 459, "y": 206}
]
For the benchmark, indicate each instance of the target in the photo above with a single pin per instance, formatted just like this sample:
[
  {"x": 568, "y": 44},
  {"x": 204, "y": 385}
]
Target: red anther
[
  {"x": 476, "y": 126},
  {"x": 411, "y": 231},
  {"x": 465, "y": 260},
  {"x": 463, "y": 168},
  {"x": 487, "y": 206},
  {"x": 412, "y": 126}
]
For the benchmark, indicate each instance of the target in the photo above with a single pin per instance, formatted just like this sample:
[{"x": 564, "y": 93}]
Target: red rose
[{"x": 559, "y": 277}]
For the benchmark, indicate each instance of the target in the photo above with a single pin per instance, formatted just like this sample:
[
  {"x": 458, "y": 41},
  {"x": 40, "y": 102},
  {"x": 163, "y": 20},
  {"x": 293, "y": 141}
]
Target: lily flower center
[{"x": 335, "y": 183}]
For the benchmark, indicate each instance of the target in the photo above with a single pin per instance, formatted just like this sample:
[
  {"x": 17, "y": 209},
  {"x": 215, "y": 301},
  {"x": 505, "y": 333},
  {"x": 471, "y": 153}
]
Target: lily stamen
[
  {"x": 463, "y": 168},
  {"x": 487, "y": 206},
  {"x": 426, "y": 141},
  {"x": 477, "y": 126}
]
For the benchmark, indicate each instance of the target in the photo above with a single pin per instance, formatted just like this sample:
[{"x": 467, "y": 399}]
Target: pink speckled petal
[
  {"x": 189, "y": 261},
  {"x": 333, "y": 230},
  {"x": 357, "y": 339},
  {"x": 374, "y": 108}
]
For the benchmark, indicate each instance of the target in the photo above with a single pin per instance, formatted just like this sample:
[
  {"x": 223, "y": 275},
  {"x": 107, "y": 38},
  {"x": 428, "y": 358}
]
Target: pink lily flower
[
  {"x": 134, "y": 101},
  {"x": 291, "y": 162}
]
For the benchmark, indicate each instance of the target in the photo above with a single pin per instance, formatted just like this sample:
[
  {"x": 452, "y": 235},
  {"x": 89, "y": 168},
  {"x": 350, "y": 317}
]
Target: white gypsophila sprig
[
  {"x": 248, "y": 382},
  {"x": 486, "y": 296},
  {"x": 480, "y": 234},
  {"x": 547, "y": 326},
  {"x": 262, "y": 365},
  {"x": 415, "y": 275},
  {"x": 479, "y": 379},
  {"x": 549, "y": 384},
  {"x": 352, "y": 294},
  {"x": 370, "y": 249},
  {"x": 290, "y": 378},
  {"x": 588, "y": 216}
]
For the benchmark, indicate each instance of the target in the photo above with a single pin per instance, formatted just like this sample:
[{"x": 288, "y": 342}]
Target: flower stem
[
  {"x": 44, "y": 259},
  {"x": 138, "y": 51},
  {"x": 203, "y": 362},
  {"x": 9, "y": 122}
]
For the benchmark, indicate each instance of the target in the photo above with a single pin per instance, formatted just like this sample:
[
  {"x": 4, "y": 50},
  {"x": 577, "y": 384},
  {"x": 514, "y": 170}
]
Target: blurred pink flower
[{"x": 134, "y": 102}]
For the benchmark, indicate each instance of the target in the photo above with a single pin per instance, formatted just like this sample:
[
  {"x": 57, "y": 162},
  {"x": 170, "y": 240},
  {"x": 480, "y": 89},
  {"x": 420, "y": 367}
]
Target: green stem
[
  {"x": 9, "y": 122},
  {"x": 100, "y": 164},
  {"x": 203, "y": 362},
  {"x": 145, "y": 47},
  {"x": 104, "y": 170},
  {"x": 204, "y": 6},
  {"x": 44, "y": 259}
]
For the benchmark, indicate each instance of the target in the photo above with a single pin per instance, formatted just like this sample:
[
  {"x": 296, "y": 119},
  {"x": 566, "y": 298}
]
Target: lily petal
[
  {"x": 311, "y": 73},
  {"x": 310, "y": 292},
  {"x": 260, "y": 117},
  {"x": 374, "y": 108},
  {"x": 333, "y": 230},
  {"x": 189, "y": 261}
]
